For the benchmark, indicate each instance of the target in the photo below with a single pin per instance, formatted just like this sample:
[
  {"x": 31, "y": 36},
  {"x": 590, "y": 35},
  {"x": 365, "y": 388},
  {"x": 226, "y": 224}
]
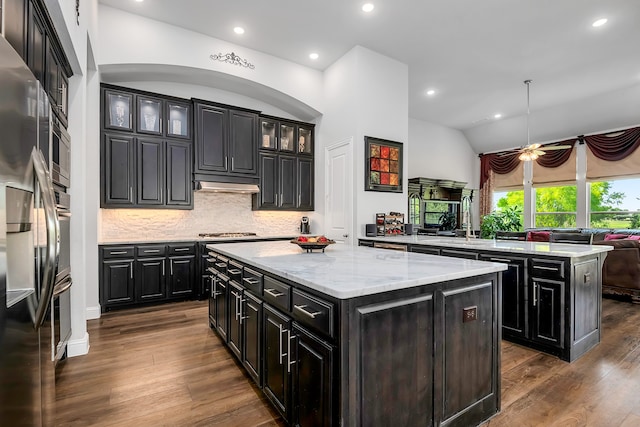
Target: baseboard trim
[
  {"x": 78, "y": 347},
  {"x": 93, "y": 313}
]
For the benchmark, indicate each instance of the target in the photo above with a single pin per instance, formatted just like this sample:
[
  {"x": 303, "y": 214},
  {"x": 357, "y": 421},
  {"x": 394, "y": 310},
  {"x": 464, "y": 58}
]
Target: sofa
[{"x": 621, "y": 269}]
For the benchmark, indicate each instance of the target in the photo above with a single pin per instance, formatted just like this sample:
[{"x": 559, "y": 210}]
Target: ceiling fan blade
[
  {"x": 555, "y": 147},
  {"x": 538, "y": 152},
  {"x": 532, "y": 146}
]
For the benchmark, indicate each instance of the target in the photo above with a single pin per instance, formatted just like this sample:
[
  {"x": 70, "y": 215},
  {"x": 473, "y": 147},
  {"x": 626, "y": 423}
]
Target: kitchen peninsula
[
  {"x": 360, "y": 336},
  {"x": 551, "y": 292}
]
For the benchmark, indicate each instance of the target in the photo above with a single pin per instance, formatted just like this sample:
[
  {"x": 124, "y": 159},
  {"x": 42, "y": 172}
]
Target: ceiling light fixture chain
[{"x": 232, "y": 58}]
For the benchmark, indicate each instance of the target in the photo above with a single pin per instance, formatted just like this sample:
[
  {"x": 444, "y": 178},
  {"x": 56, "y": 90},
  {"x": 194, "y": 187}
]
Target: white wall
[
  {"x": 129, "y": 41},
  {"x": 440, "y": 152},
  {"x": 366, "y": 94}
]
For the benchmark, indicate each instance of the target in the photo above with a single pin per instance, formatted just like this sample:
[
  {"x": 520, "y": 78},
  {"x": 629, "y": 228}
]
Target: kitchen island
[
  {"x": 551, "y": 292},
  {"x": 358, "y": 336}
]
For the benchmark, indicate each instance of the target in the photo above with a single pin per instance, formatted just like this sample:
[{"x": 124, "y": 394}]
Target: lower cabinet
[
  {"x": 277, "y": 367},
  {"x": 252, "y": 336},
  {"x": 547, "y": 303},
  {"x": 143, "y": 274}
]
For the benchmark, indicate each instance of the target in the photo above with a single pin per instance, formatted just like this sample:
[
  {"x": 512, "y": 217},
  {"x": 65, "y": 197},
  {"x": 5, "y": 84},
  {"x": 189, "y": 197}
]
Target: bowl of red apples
[{"x": 310, "y": 243}]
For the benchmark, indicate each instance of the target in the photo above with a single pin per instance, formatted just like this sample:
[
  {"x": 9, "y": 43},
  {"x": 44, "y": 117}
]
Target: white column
[
  {"x": 529, "y": 195},
  {"x": 582, "y": 187}
]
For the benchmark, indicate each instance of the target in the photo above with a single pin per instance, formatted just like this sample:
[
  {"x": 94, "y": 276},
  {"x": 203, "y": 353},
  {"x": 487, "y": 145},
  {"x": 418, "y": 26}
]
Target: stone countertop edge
[
  {"x": 145, "y": 240},
  {"x": 345, "y": 271},
  {"x": 510, "y": 246}
]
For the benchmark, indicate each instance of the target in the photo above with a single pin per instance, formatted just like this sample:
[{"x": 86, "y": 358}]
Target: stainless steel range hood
[{"x": 227, "y": 187}]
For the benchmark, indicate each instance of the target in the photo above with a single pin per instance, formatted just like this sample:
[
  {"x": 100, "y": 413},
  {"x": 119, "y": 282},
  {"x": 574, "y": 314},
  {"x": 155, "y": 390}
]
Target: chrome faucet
[{"x": 466, "y": 200}]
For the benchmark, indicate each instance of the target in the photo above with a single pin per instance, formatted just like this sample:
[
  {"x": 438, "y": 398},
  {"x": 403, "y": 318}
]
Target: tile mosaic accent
[{"x": 212, "y": 213}]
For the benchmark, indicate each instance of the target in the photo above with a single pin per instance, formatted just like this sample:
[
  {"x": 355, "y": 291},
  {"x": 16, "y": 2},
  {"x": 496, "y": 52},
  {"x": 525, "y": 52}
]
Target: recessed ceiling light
[
  {"x": 600, "y": 22},
  {"x": 367, "y": 7},
  {"x": 431, "y": 92},
  {"x": 139, "y": 1},
  {"x": 497, "y": 116},
  {"x": 313, "y": 55},
  {"x": 238, "y": 30}
]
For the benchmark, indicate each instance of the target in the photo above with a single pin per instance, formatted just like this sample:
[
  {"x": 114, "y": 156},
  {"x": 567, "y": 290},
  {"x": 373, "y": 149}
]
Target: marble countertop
[
  {"x": 344, "y": 271},
  {"x": 193, "y": 238},
  {"x": 510, "y": 246}
]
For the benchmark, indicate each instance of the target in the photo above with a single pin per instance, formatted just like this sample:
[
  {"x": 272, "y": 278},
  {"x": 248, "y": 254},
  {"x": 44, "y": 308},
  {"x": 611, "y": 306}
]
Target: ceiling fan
[{"x": 532, "y": 151}]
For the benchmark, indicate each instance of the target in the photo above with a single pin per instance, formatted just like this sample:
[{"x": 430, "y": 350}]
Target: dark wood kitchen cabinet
[
  {"x": 157, "y": 173},
  {"x": 277, "y": 368},
  {"x": 226, "y": 143},
  {"x": 15, "y": 25},
  {"x": 146, "y": 273},
  {"x": 252, "y": 315},
  {"x": 36, "y": 44},
  {"x": 286, "y": 165}
]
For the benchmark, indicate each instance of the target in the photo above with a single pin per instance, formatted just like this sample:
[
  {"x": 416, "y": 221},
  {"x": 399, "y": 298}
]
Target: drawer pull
[
  {"x": 535, "y": 299},
  {"x": 212, "y": 270},
  {"x": 181, "y": 249},
  {"x": 211, "y": 260},
  {"x": 117, "y": 252},
  {"x": 234, "y": 271},
  {"x": 221, "y": 265},
  {"x": 301, "y": 308},
  {"x": 273, "y": 293},
  {"x": 541, "y": 267},
  {"x": 500, "y": 260},
  {"x": 151, "y": 251},
  {"x": 251, "y": 281}
]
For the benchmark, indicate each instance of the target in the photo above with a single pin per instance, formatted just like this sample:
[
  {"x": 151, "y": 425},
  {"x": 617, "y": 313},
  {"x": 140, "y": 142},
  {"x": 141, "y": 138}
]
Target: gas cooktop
[{"x": 240, "y": 234}]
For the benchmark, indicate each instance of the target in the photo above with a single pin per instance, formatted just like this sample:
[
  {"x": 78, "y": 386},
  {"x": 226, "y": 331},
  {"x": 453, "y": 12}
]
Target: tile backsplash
[{"x": 212, "y": 213}]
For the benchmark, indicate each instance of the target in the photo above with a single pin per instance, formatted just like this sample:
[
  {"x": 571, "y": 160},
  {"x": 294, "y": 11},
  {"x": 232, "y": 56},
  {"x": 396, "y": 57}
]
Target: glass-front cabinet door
[
  {"x": 149, "y": 115},
  {"x": 268, "y": 134},
  {"x": 178, "y": 119},
  {"x": 287, "y": 137},
  {"x": 305, "y": 140},
  {"x": 119, "y": 113}
]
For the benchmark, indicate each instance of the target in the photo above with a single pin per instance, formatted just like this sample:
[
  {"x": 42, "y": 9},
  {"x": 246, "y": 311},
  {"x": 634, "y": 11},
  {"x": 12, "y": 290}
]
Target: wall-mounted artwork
[{"x": 383, "y": 165}]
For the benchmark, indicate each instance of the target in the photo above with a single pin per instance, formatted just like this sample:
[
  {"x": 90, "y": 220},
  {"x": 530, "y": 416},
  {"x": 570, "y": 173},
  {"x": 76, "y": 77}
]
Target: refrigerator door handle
[
  {"x": 63, "y": 286},
  {"x": 53, "y": 235}
]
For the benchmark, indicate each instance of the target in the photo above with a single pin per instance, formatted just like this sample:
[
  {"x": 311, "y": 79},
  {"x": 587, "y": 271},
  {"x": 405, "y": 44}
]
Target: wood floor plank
[{"x": 163, "y": 366}]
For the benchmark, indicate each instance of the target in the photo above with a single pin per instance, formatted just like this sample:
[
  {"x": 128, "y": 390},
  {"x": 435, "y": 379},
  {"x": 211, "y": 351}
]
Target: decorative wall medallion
[{"x": 232, "y": 58}]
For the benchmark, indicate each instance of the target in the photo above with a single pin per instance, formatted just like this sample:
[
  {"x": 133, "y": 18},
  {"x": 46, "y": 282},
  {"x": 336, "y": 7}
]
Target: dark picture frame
[{"x": 383, "y": 165}]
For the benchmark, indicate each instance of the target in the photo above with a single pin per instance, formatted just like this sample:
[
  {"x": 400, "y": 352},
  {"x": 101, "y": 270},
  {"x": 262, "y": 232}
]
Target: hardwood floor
[{"x": 163, "y": 366}]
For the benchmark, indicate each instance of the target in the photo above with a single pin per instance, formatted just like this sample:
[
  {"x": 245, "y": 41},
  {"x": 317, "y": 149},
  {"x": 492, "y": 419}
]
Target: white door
[{"x": 339, "y": 191}]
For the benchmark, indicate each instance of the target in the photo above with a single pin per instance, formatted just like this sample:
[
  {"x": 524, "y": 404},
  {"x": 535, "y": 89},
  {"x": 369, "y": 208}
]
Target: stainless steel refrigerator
[{"x": 29, "y": 248}]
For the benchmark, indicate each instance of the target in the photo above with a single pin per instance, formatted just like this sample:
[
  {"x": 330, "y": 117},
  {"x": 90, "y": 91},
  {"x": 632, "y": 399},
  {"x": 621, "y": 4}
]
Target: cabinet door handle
[
  {"x": 171, "y": 266},
  {"x": 151, "y": 251},
  {"x": 301, "y": 308},
  {"x": 168, "y": 127},
  {"x": 131, "y": 271},
  {"x": 535, "y": 299},
  {"x": 117, "y": 252},
  {"x": 211, "y": 270},
  {"x": 289, "y": 362},
  {"x": 232, "y": 164},
  {"x": 181, "y": 249},
  {"x": 211, "y": 260},
  {"x": 250, "y": 281},
  {"x": 280, "y": 342},
  {"x": 242, "y": 317},
  {"x": 220, "y": 264},
  {"x": 131, "y": 192},
  {"x": 276, "y": 200},
  {"x": 500, "y": 259},
  {"x": 273, "y": 293},
  {"x": 225, "y": 162},
  {"x": 541, "y": 267},
  {"x": 163, "y": 267},
  {"x": 234, "y": 271},
  {"x": 252, "y": 307},
  {"x": 587, "y": 277}
]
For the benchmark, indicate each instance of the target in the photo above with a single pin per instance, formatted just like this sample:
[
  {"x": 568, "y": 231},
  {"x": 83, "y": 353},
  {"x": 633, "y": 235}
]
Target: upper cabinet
[
  {"x": 29, "y": 29},
  {"x": 226, "y": 143},
  {"x": 147, "y": 155},
  {"x": 286, "y": 165}
]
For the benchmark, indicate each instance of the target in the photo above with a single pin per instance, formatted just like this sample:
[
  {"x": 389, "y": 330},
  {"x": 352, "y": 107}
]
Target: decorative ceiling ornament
[
  {"x": 78, "y": 12},
  {"x": 232, "y": 58}
]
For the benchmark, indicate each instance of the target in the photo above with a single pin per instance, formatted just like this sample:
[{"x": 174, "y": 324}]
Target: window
[
  {"x": 555, "y": 206},
  {"x": 504, "y": 199},
  {"x": 414, "y": 209},
  {"x": 615, "y": 203}
]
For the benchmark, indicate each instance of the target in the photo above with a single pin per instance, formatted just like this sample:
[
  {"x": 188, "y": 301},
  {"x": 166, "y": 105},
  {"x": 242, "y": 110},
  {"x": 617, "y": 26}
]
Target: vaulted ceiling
[{"x": 475, "y": 55}]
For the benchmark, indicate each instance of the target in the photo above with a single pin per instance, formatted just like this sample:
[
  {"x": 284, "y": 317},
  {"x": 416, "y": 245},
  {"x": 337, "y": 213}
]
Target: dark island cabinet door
[
  {"x": 312, "y": 381},
  {"x": 179, "y": 179},
  {"x": 222, "y": 306},
  {"x": 150, "y": 279},
  {"x": 243, "y": 142},
  {"x": 514, "y": 291},
  {"x": 269, "y": 189},
  {"x": 117, "y": 282},
  {"x": 150, "y": 171},
  {"x": 211, "y": 139},
  {"x": 305, "y": 184},
  {"x": 181, "y": 275},
  {"x": 288, "y": 188},
  {"x": 118, "y": 155},
  {"x": 547, "y": 303},
  {"x": 276, "y": 376},
  {"x": 234, "y": 332},
  {"x": 36, "y": 48},
  {"x": 252, "y": 336}
]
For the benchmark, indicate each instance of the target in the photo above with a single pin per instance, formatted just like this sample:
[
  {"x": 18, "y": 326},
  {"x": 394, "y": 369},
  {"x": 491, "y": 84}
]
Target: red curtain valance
[
  {"x": 555, "y": 158},
  {"x": 501, "y": 163},
  {"x": 614, "y": 145}
]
